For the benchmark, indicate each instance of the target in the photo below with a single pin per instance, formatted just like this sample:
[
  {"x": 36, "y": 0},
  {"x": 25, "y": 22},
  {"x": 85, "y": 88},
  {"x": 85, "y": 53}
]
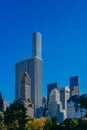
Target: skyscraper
[
  {"x": 74, "y": 85},
  {"x": 25, "y": 92},
  {"x": 34, "y": 67}
]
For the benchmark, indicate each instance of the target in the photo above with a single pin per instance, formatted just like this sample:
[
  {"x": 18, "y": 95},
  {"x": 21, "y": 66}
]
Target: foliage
[
  {"x": 36, "y": 123},
  {"x": 42, "y": 123},
  {"x": 1, "y": 121},
  {"x": 48, "y": 124},
  {"x": 29, "y": 118},
  {"x": 81, "y": 103},
  {"x": 51, "y": 124},
  {"x": 62, "y": 127},
  {"x": 84, "y": 123},
  {"x": 71, "y": 123},
  {"x": 14, "y": 116}
]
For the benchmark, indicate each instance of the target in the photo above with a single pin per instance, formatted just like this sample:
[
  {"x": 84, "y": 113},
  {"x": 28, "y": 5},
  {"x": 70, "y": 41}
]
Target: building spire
[{"x": 36, "y": 45}]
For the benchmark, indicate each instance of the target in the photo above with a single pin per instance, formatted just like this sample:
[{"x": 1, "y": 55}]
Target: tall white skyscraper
[
  {"x": 34, "y": 67},
  {"x": 36, "y": 45}
]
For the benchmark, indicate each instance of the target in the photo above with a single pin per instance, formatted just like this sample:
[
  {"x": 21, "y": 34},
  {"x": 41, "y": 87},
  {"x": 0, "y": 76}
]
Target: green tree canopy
[
  {"x": 1, "y": 120},
  {"x": 81, "y": 103},
  {"x": 84, "y": 123},
  {"x": 51, "y": 124},
  {"x": 71, "y": 123},
  {"x": 15, "y": 116}
]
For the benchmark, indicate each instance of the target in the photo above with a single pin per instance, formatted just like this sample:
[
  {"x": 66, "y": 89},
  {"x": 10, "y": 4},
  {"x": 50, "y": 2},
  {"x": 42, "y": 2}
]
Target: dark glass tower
[{"x": 74, "y": 85}]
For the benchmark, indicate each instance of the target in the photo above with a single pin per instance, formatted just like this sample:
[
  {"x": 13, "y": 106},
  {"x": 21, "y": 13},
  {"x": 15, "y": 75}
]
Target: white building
[{"x": 55, "y": 106}]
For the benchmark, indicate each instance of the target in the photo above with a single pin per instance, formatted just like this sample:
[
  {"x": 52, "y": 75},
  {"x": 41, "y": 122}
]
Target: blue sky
[{"x": 63, "y": 24}]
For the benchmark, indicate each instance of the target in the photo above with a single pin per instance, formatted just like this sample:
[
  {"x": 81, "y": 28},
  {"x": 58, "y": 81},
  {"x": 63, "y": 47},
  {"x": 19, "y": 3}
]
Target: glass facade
[
  {"x": 34, "y": 68},
  {"x": 74, "y": 85}
]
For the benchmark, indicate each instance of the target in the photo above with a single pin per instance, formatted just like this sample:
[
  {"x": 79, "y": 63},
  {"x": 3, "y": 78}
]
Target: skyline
[{"x": 63, "y": 26}]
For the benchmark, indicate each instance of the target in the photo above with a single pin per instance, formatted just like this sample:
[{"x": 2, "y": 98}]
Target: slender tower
[
  {"x": 36, "y": 45},
  {"x": 36, "y": 90}
]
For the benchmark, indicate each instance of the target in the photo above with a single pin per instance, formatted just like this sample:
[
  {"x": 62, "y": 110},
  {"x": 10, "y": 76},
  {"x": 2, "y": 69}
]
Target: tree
[
  {"x": 84, "y": 124},
  {"x": 54, "y": 120},
  {"x": 15, "y": 116},
  {"x": 54, "y": 123},
  {"x": 48, "y": 124},
  {"x": 36, "y": 124},
  {"x": 2, "y": 121},
  {"x": 51, "y": 124},
  {"x": 71, "y": 124},
  {"x": 81, "y": 103}
]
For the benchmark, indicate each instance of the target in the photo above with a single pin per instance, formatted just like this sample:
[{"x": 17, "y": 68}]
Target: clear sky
[{"x": 63, "y": 24}]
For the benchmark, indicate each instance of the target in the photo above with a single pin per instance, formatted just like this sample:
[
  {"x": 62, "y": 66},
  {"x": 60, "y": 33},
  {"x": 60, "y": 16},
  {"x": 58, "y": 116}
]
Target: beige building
[{"x": 25, "y": 94}]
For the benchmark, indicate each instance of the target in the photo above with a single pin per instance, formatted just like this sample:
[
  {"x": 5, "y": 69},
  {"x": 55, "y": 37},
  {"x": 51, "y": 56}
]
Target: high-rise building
[
  {"x": 74, "y": 85},
  {"x": 50, "y": 87},
  {"x": 34, "y": 67},
  {"x": 64, "y": 96},
  {"x": 25, "y": 92}
]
